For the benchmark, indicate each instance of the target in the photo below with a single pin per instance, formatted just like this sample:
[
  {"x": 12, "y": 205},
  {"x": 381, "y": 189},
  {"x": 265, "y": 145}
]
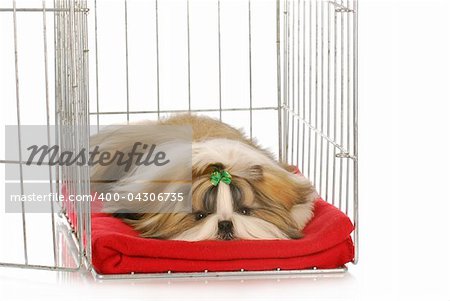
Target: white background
[{"x": 404, "y": 181}]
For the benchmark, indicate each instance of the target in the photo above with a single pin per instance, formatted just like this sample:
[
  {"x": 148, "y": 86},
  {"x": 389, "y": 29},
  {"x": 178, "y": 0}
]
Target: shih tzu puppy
[{"x": 235, "y": 188}]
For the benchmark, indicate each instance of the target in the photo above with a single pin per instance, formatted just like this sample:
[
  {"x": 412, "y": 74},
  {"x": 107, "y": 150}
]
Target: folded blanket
[{"x": 118, "y": 249}]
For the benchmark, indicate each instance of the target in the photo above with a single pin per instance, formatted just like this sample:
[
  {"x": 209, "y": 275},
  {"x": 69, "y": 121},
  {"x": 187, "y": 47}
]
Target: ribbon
[{"x": 220, "y": 175}]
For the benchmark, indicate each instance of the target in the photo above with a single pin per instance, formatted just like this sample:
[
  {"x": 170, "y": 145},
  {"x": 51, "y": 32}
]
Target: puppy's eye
[
  {"x": 244, "y": 211},
  {"x": 200, "y": 215}
]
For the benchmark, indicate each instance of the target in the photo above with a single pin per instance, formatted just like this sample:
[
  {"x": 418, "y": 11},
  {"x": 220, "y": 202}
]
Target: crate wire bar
[
  {"x": 71, "y": 95},
  {"x": 318, "y": 98},
  {"x": 317, "y": 107}
]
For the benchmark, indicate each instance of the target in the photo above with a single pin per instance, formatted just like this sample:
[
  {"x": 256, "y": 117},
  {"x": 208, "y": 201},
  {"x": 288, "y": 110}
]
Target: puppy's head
[{"x": 259, "y": 200}]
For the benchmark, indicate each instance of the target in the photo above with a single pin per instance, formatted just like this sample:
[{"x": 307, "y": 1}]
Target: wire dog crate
[{"x": 286, "y": 68}]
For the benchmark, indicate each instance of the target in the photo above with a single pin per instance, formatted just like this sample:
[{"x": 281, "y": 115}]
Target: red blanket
[{"x": 118, "y": 249}]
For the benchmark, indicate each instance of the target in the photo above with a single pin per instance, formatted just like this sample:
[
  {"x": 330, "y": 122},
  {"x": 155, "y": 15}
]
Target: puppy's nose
[{"x": 225, "y": 226}]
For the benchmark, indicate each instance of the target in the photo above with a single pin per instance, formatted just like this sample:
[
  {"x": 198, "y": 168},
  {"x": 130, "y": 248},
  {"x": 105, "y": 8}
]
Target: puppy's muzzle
[{"x": 225, "y": 230}]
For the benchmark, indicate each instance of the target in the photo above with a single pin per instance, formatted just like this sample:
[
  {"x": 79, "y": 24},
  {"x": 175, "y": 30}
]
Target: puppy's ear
[
  {"x": 256, "y": 172},
  {"x": 285, "y": 188},
  {"x": 253, "y": 173}
]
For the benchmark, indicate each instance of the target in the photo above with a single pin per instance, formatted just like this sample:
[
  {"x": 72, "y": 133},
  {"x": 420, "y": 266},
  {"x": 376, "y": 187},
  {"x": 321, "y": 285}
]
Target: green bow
[{"x": 218, "y": 176}]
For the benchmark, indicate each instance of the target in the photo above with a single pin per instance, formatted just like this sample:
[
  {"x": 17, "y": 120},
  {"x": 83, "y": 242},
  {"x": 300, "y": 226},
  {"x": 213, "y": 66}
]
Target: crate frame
[{"x": 72, "y": 97}]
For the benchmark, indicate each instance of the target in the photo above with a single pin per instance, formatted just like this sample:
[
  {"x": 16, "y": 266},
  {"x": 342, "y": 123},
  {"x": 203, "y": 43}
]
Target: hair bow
[{"x": 220, "y": 175}]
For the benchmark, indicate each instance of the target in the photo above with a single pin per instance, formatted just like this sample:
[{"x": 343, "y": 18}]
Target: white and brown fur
[{"x": 265, "y": 200}]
